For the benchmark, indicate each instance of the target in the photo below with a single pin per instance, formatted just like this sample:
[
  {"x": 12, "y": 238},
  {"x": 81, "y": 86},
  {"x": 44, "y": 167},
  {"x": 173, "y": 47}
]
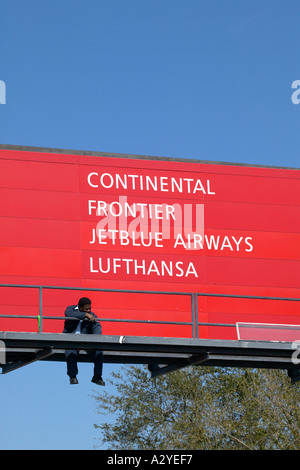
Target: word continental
[{"x": 149, "y": 183}]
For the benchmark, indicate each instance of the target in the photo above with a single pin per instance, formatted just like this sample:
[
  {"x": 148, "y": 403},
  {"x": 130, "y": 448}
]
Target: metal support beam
[
  {"x": 158, "y": 369},
  {"x": 42, "y": 354}
]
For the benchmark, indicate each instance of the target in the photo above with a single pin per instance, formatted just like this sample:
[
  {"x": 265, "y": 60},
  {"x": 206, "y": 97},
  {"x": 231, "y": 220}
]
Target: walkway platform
[{"x": 162, "y": 355}]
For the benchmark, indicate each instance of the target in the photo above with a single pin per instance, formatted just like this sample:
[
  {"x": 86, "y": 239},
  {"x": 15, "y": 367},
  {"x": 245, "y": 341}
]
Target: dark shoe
[
  {"x": 73, "y": 380},
  {"x": 98, "y": 380}
]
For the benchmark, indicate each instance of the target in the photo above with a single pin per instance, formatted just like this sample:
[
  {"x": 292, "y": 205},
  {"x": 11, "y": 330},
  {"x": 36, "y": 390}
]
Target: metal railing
[
  {"x": 40, "y": 317},
  {"x": 194, "y": 322}
]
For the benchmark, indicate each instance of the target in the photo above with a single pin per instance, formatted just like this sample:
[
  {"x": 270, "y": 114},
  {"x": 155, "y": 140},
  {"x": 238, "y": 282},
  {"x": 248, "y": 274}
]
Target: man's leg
[
  {"x": 98, "y": 364},
  {"x": 98, "y": 358},
  {"x": 72, "y": 369},
  {"x": 98, "y": 367}
]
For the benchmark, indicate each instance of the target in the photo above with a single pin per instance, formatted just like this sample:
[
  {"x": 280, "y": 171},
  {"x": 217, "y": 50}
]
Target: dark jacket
[{"x": 86, "y": 326}]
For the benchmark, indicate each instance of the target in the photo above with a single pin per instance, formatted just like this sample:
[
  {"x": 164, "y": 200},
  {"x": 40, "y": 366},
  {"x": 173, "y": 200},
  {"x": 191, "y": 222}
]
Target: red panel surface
[
  {"x": 39, "y": 262},
  {"x": 38, "y": 175},
  {"x": 149, "y": 225},
  {"x": 26, "y": 232},
  {"x": 38, "y": 204}
]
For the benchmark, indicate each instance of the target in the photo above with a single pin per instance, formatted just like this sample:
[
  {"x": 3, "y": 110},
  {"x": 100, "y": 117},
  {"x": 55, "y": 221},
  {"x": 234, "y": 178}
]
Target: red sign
[{"x": 111, "y": 222}]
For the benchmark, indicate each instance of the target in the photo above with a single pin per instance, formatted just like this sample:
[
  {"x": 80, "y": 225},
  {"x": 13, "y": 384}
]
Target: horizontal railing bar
[
  {"x": 269, "y": 326},
  {"x": 202, "y": 294},
  {"x": 231, "y": 325},
  {"x": 94, "y": 289},
  {"x": 120, "y": 320},
  {"x": 25, "y": 286},
  {"x": 30, "y": 317},
  {"x": 257, "y": 297},
  {"x": 124, "y": 291}
]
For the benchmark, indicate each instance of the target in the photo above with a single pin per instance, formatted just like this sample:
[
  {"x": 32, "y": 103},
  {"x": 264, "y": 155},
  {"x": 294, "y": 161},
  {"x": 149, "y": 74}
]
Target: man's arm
[
  {"x": 91, "y": 317},
  {"x": 71, "y": 312}
]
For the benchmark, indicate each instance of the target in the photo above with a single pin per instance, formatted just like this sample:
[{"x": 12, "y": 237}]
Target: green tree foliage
[{"x": 202, "y": 408}]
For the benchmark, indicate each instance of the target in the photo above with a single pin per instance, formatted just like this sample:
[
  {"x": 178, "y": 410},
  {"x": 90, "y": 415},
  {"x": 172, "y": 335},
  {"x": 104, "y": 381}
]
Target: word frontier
[{"x": 118, "y": 209}]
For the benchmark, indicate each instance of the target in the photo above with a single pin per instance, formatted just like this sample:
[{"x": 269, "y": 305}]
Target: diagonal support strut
[
  {"x": 42, "y": 354},
  {"x": 193, "y": 360}
]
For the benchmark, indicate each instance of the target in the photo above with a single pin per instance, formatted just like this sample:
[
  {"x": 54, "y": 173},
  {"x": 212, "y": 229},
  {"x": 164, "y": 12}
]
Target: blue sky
[{"x": 195, "y": 79}]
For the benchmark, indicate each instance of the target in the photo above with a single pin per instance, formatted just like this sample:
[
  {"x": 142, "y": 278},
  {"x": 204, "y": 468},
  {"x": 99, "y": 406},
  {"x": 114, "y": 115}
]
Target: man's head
[{"x": 85, "y": 304}]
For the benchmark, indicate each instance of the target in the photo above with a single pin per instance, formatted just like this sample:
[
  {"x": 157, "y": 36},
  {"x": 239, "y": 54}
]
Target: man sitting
[{"x": 87, "y": 323}]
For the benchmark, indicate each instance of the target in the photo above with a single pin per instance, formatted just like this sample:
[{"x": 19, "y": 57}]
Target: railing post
[
  {"x": 196, "y": 314},
  {"x": 194, "y": 301},
  {"x": 40, "y": 317},
  {"x": 193, "y": 316}
]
